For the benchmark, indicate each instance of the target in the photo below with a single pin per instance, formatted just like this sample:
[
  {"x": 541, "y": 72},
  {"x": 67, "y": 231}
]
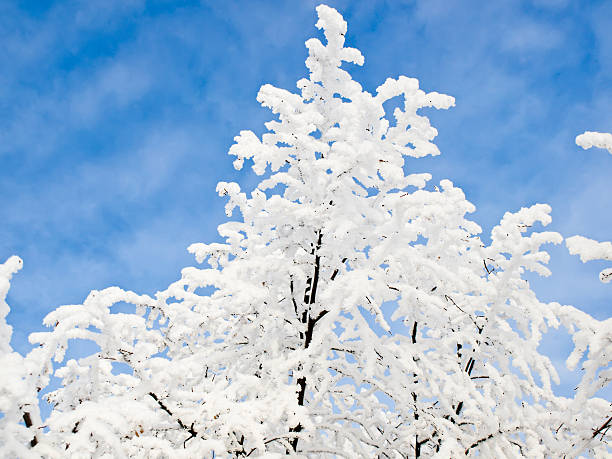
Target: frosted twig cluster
[{"x": 286, "y": 341}]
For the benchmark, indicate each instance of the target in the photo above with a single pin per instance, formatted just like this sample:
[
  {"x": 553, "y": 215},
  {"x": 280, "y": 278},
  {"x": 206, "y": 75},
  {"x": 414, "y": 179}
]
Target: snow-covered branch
[{"x": 285, "y": 340}]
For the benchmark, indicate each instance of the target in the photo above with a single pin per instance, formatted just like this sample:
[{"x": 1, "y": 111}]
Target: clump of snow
[
  {"x": 589, "y": 250},
  {"x": 7, "y": 269},
  {"x": 590, "y": 139}
]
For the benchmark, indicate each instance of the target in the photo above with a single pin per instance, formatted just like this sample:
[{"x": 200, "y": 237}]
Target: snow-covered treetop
[{"x": 351, "y": 311}]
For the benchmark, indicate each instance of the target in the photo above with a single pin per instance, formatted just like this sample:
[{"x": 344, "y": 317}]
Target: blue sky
[{"x": 116, "y": 116}]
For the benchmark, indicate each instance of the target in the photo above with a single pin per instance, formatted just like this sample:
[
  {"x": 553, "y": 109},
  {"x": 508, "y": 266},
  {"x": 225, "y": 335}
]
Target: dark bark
[
  {"x": 605, "y": 426},
  {"x": 27, "y": 419},
  {"x": 310, "y": 296},
  {"x": 163, "y": 406},
  {"x": 476, "y": 443},
  {"x": 468, "y": 369},
  {"x": 417, "y": 443},
  {"x": 335, "y": 273}
]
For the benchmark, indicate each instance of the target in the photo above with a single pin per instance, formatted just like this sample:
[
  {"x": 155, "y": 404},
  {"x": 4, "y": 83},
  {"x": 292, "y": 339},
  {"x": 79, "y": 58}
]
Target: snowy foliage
[
  {"x": 18, "y": 400},
  {"x": 589, "y": 249},
  {"x": 282, "y": 343},
  {"x": 590, "y": 139}
]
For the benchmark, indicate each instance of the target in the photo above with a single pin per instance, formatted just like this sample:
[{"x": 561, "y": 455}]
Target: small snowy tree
[
  {"x": 17, "y": 400},
  {"x": 284, "y": 343}
]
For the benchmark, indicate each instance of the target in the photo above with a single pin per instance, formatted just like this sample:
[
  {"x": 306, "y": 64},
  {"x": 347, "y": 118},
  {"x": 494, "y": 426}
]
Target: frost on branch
[
  {"x": 351, "y": 310},
  {"x": 588, "y": 250},
  {"x": 18, "y": 402},
  {"x": 10, "y": 267}
]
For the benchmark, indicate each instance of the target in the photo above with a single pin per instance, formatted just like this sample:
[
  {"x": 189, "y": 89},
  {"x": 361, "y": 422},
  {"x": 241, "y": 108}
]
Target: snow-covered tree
[
  {"x": 352, "y": 311},
  {"x": 18, "y": 399}
]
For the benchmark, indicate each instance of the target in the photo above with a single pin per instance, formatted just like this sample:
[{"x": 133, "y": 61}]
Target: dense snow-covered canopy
[{"x": 283, "y": 344}]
